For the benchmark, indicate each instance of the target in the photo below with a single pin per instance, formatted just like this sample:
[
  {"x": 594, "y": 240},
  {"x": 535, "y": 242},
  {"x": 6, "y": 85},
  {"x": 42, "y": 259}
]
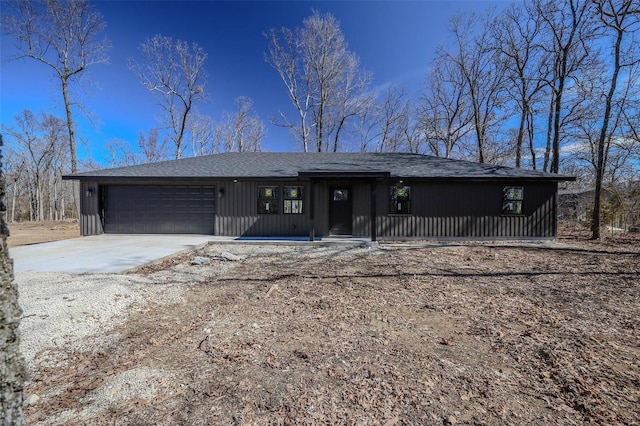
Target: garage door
[{"x": 137, "y": 209}]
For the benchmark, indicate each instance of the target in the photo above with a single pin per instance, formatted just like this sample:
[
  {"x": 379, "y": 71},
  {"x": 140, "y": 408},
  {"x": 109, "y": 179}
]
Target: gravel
[
  {"x": 67, "y": 312},
  {"x": 63, "y": 311}
]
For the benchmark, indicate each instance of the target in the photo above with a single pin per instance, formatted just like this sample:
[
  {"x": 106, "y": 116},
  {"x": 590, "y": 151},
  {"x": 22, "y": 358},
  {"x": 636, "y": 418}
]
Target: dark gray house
[{"x": 374, "y": 195}]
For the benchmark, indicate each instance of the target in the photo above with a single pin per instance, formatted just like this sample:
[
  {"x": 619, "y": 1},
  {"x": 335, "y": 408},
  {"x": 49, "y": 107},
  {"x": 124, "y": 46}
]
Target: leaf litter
[{"x": 405, "y": 333}]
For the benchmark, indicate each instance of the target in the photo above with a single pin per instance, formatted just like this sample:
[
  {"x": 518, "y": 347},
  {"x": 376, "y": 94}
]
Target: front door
[{"x": 340, "y": 211}]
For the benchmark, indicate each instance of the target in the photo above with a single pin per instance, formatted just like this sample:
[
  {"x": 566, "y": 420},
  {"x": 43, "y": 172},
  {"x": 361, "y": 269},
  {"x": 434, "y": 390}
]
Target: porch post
[
  {"x": 312, "y": 229},
  {"x": 373, "y": 217}
]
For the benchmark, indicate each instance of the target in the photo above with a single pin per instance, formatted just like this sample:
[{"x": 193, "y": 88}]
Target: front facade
[{"x": 320, "y": 194}]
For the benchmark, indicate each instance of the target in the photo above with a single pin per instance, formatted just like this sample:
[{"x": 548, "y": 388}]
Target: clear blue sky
[{"x": 395, "y": 40}]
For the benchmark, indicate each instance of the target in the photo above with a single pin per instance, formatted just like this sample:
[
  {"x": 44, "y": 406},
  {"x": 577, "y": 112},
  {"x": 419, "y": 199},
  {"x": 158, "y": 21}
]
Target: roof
[{"x": 292, "y": 165}]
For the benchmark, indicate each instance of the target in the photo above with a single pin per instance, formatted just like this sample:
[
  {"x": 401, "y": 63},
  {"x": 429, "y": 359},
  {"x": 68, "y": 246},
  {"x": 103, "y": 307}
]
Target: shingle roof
[{"x": 260, "y": 165}]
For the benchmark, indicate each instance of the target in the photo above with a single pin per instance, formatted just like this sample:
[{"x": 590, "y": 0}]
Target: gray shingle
[{"x": 288, "y": 165}]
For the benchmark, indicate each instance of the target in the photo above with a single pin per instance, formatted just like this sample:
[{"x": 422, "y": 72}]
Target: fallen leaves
[{"x": 522, "y": 333}]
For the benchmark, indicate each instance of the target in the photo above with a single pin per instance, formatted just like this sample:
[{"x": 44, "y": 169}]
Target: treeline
[
  {"x": 34, "y": 163},
  {"x": 538, "y": 84}
]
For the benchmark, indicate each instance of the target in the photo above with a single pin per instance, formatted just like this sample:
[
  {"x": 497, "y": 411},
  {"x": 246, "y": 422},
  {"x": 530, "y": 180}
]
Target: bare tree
[
  {"x": 518, "y": 40},
  {"x": 286, "y": 58},
  {"x": 567, "y": 26},
  {"x": 37, "y": 144},
  {"x": 352, "y": 99},
  {"x": 152, "y": 147},
  {"x": 121, "y": 153},
  {"x": 395, "y": 111},
  {"x": 365, "y": 130},
  {"x": 15, "y": 167},
  {"x": 444, "y": 115},
  {"x": 64, "y": 35},
  {"x": 482, "y": 74},
  {"x": 323, "y": 79},
  {"x": 242, "y": 130},
  {"x": 174, "y": 71},
  {"x": 201, "y": 132},
  {"x": 621, "y": 21}
]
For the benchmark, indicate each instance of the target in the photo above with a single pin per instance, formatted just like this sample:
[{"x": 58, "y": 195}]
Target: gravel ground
[
  {"x": 63, "y": 311},
  {"x": 66, "y": 312}
]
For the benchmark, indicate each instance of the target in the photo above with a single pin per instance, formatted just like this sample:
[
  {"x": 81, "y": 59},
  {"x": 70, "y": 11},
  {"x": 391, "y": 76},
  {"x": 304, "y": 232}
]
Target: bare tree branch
[
  {"x": 174, "y": 71},
  {"x": 62, "y": 34}
]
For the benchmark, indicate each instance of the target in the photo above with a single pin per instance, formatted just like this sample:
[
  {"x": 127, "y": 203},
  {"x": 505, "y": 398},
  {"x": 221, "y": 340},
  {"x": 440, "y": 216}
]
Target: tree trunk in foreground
[{"x": 12, "y": 370}]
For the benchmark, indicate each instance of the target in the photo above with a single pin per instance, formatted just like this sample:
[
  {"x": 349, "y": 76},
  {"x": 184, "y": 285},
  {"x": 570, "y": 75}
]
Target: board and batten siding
[
  {"x": 438, "y": 210},
  {"x": 90, "y": 218},
  {"x": 469, "y": 210},
  {"x": 237, "y": 213}
]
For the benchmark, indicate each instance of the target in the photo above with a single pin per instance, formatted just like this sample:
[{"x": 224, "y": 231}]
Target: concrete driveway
[{"x": 101, "y": 253}]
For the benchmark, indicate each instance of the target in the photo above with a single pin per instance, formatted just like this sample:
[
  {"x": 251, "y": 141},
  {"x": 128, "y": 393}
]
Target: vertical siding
[
  {"x": 361, "y": 199},
  {"x": 321, "y": 203},
  {"x": 442, "y": 209},
  {"x": 90, "y": 222},
  {"x": 438, "y": 209},
  {"x": 237, "y": 213}
]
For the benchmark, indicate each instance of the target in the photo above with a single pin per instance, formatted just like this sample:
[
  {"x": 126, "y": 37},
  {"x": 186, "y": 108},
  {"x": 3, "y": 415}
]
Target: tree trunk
[
  {"x": 480, "y": 140},
  {"x": 183, "y": 126},
  {"x": 320, "y": 128},
  {"x": 62, "y": 204},
  {"x": 72, "y": 138},
  {"x": 335, "y": 140},
  {"x": 12, "y": 369},
  {"x": 70, "y": 125},
  {"x": 555, "y": 144},
  {"x": 532, "y": 148},
  {"x": 13, "y": 201},
  {"x": 547, "y": 151},
  {"x": 520, "y": 138},
  {"x": 602, "y": 140}
]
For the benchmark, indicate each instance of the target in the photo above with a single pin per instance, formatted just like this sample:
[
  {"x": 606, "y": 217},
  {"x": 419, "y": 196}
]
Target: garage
[{"x": 161, "y": 209}]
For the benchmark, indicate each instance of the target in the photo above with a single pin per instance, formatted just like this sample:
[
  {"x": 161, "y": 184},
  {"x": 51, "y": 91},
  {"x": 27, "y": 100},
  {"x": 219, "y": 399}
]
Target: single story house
[{"x": 376, "y": 195}]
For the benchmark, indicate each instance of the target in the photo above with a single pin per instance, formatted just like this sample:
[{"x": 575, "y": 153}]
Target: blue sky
[{"x": 395, "y": 40}]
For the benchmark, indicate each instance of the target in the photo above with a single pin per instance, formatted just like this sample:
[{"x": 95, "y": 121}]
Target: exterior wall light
[
  {"x": 90, "y": 192},
  {"x": 221, "y": 193}
]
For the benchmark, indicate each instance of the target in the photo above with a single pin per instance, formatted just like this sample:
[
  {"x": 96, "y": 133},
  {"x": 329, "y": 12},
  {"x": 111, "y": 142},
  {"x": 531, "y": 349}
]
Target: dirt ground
[
  {"x": 408, "y": 333},
  {"x": 23, "y": 233}
]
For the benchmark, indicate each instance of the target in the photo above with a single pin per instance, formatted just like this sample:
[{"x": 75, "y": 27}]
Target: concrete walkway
[
  {"x": 101, "y": 253},
  {"x": 110, "y": 253}
]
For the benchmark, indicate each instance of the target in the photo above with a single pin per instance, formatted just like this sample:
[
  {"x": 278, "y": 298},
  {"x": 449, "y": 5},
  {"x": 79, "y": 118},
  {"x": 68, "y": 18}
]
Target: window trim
[
  {"x": 273, "y": 200},
  {"x": 393, "y": 210},
  {"x": 506, "y": 199}
]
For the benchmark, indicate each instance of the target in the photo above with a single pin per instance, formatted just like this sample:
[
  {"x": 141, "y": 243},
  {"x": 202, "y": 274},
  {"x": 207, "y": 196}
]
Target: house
[
  {"x": 321, "y": 194},
  {"x": 620, "y": 205}
]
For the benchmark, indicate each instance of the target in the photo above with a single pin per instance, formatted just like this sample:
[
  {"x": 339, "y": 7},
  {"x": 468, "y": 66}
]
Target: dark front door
[{"x": 340, "y": 211}]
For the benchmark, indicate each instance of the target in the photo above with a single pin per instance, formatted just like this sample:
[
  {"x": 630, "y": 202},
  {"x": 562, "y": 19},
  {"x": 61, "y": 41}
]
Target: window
[
  {"x": 512, "y": 197},
  {"x": 292, "y": 200},
  {"x": 400, "y": 200},
  {"x": 268, "y": 200},
  {"x": 340, "y": 195}
]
